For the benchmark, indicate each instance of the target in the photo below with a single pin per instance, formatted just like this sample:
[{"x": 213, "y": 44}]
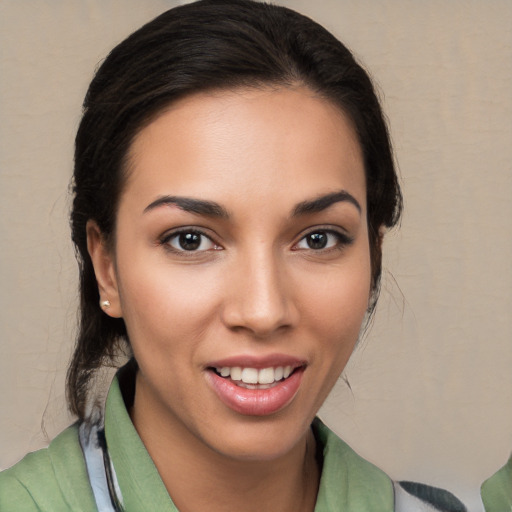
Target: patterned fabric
[
  {"x": 416, "y": 497},
  {"x": 101, "y": 472}
]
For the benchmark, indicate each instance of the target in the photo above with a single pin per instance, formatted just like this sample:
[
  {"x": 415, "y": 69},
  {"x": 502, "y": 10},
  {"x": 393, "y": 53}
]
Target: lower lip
[{"x": 256, "y": 402}]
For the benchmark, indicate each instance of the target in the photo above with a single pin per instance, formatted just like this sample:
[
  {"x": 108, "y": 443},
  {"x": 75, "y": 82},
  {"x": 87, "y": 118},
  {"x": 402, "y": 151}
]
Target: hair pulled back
[{"x": 206, "y": 45}]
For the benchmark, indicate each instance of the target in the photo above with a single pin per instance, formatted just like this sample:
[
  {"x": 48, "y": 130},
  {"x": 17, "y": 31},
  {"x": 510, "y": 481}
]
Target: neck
[{"x": 198, "y": 478}]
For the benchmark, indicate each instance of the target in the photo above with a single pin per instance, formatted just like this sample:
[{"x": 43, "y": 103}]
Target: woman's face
[{"x": 241, "y": 267}]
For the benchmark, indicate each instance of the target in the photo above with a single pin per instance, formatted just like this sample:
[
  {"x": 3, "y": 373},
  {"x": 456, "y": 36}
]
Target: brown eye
[
  {"x": 190, "y": 241},
  {"x": 323, "y": 240},
  {"x": 317, "y": 240}
]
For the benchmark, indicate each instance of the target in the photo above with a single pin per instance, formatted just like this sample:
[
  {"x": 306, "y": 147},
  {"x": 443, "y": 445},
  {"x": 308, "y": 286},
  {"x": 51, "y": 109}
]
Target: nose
[{"x": 260, "y": 298}]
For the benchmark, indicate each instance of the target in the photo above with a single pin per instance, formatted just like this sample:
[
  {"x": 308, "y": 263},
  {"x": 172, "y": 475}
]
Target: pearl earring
[{"x": 105, "y": 304}]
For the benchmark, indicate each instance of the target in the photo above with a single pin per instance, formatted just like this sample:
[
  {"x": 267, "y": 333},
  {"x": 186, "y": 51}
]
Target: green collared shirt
[{"x": 55, "y": 479}]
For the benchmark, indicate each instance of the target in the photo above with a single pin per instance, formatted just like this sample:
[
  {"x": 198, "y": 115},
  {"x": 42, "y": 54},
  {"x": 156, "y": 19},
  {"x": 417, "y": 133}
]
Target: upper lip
[{"x": 258, "y": 362}]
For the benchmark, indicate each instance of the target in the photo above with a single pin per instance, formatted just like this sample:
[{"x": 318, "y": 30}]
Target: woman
[{"x": 233, "y": 182}]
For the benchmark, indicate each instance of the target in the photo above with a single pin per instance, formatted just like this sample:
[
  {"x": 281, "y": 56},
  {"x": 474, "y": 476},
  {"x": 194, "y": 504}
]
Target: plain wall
[{"x": 431, "y": 384}]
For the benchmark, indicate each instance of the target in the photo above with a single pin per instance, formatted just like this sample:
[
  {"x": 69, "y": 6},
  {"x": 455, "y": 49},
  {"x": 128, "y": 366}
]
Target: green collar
[{"x": 139, "y": 481}]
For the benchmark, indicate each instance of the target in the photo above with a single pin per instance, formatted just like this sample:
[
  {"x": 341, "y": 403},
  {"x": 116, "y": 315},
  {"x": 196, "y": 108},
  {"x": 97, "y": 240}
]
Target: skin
[{"x": 253, "y": 288}]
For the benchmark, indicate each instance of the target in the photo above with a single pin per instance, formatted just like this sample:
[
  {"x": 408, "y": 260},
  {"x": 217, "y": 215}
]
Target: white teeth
[
  {"x": 266, "y": 376},
  {"x": 250, "y": 375},
  {"x": 254, "y": 377},
  {"x": 236, "y": 373}
]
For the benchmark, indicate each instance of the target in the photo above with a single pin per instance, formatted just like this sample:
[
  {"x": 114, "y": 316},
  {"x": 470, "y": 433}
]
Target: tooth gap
[
  {"x": 293, "y": 371},
  {"x": 214, "y": 370}
]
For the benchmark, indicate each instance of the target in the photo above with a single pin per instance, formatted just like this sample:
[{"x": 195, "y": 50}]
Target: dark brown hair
[{"x": 206, "y": 45}]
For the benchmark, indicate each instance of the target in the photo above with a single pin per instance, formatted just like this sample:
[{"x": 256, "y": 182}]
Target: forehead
[{"x": 247, "y": 142}]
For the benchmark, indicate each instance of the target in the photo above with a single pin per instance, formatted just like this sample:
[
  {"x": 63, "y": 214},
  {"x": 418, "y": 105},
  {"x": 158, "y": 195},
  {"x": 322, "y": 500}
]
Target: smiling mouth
[
  {"x": 256, "y": 387},
  {"x": 254, "y": 378}
]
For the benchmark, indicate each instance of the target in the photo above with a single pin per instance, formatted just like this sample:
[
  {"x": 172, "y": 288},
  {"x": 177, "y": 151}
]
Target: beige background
[{"x": 431, "y": 395}]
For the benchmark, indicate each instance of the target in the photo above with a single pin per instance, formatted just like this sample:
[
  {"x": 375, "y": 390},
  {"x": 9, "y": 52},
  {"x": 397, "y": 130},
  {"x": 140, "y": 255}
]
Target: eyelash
[{"x": 342, "y": 240}]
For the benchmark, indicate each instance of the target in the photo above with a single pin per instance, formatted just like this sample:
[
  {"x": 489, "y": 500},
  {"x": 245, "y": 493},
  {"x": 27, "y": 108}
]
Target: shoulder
[{"x": 51, "y": 479}]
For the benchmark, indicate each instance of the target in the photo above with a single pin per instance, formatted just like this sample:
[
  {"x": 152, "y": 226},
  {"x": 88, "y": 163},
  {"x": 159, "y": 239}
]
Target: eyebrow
[
  {"x": 188, "y": 204},
  {"x": 323, "y": 202},
  {"x": 213, "y": 209}
]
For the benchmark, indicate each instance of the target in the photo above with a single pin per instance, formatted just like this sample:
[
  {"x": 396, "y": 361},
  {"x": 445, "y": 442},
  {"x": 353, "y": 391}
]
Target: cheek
[
  {"x": 342, "y": 318},
  {"x": 160, "y": 303},
  {"x": 340, "y": 300},
  {"x": 336, "y": 308}
]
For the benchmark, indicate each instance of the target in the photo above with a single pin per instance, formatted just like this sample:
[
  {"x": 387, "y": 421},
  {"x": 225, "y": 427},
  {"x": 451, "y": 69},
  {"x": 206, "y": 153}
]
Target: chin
[{"x": 261, "y": 439}]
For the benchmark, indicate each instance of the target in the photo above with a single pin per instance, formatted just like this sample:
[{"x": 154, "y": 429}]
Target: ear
[{"x": 104, "y": 269}]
